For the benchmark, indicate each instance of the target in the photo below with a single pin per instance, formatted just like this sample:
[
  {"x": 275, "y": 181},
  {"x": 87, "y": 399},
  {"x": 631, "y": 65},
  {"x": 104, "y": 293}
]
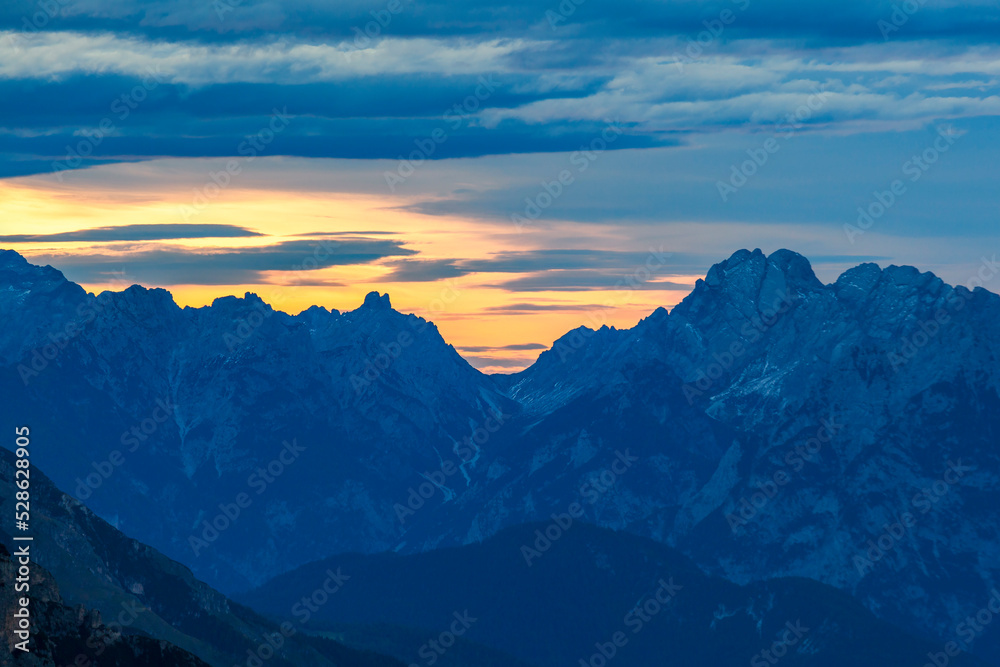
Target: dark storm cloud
[
  {"x": 424, "y": 270},
  {"x": 546, "y": 260},
  {"x": 585, "y": 281},
  {"x": 224, "y": 20},
  {"x": 563, "y": 70},
  {"x": 50, "y": 140},
  {"x": 516, "y": 308},
  {"x": 76, "y": 98},
  {"x": 135, "y": 233},
  {"x": 185, "y": 266},
  {"x": 505, "y": 348},
  {"x": 594, "y": 263}
]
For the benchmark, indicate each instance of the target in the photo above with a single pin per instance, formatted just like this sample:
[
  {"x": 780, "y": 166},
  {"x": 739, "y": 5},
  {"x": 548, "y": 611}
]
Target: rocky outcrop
[{"x": 64, "y": 635}]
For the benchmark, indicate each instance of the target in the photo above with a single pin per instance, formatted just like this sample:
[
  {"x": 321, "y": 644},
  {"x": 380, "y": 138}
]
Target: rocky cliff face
[
  {"x": 867, "y": 420},
  {"x": 317, "y": 419},
  {"x": 769, "y": 425},
  {"x": 64, "y": 635}
]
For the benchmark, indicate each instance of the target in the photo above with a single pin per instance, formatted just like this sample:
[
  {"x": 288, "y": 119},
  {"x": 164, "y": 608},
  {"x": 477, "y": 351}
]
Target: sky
[{"x": 510, "y": 171}]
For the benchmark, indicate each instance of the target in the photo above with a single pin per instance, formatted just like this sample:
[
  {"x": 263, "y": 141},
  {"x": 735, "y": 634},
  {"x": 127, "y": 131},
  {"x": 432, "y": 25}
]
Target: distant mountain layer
[
  {"x": 768, "y": 426},
  {"x": 590, "y": 592}
]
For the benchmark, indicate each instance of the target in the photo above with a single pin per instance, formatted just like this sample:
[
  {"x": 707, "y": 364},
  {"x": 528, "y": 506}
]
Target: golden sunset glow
[{"x": 472, "y": 311}]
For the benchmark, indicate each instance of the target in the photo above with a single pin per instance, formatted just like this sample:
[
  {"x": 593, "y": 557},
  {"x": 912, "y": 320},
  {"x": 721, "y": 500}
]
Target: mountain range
[
  {"x": 99, "y": 597},
  {"x": 594, "y": 594},
  {"x": 768, "y": 427}
]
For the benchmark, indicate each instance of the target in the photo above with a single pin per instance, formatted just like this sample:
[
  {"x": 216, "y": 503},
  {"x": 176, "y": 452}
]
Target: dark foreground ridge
[
  {"x": 594, "y": 595},
  {"x": 101, "y": 598}
]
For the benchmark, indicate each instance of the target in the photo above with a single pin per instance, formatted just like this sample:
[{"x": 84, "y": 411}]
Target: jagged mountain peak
[
  {"x": 11, "y": 258},
  {"x": 795, "y": 266},
  {"x": 234, "y": 304},
  {"x": 319, "y": 311},
  {"x": 580, "y": 338},
  {"x": 750, "y": 283},
  {"x": 899, "y": 286},
  {"x": 858, "y": 281},
  {"x": 659, "y": 316},
  {"x": 137, "y": 294},
  {"x": 18, "y": 272},
  {"x": 375, "y": 300},
  {"x": 911, "y": 279},
  {"x": 749, "y": 266},
  {"x": 741, "y": 262}
]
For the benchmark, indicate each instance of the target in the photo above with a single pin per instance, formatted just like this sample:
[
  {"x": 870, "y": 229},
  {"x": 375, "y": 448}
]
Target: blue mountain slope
[{"x": 772, "y": 425}]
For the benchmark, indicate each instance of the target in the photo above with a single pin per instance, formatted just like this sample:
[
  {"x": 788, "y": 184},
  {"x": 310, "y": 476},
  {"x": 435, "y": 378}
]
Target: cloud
[
  {"x": 164, "y": 266},
  {"x": 424, "y": 270},
  {"x": 45, "y": 55},
  {"x": 523, "y": 308},
  {"x": 585, "y": 281},
  {"x": 815, "y": 91},
  {"x": 135, "y": 233},
  {"x": 690, "y": 117},
  {"x": 505, "y": 348},
  {"x": 526, "y": 261},
  {"x": 49, "y": 102},
  {"x": 495, "y": 362},
  {"x": 549, "y": 91},
  {"x": 591, "y": 267},
  {"x": 348, "y": 233},
  {"x": 847, "y": 259},
  {"x": 372, "y": 118},
  {"x": 821, "y": 20}
]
